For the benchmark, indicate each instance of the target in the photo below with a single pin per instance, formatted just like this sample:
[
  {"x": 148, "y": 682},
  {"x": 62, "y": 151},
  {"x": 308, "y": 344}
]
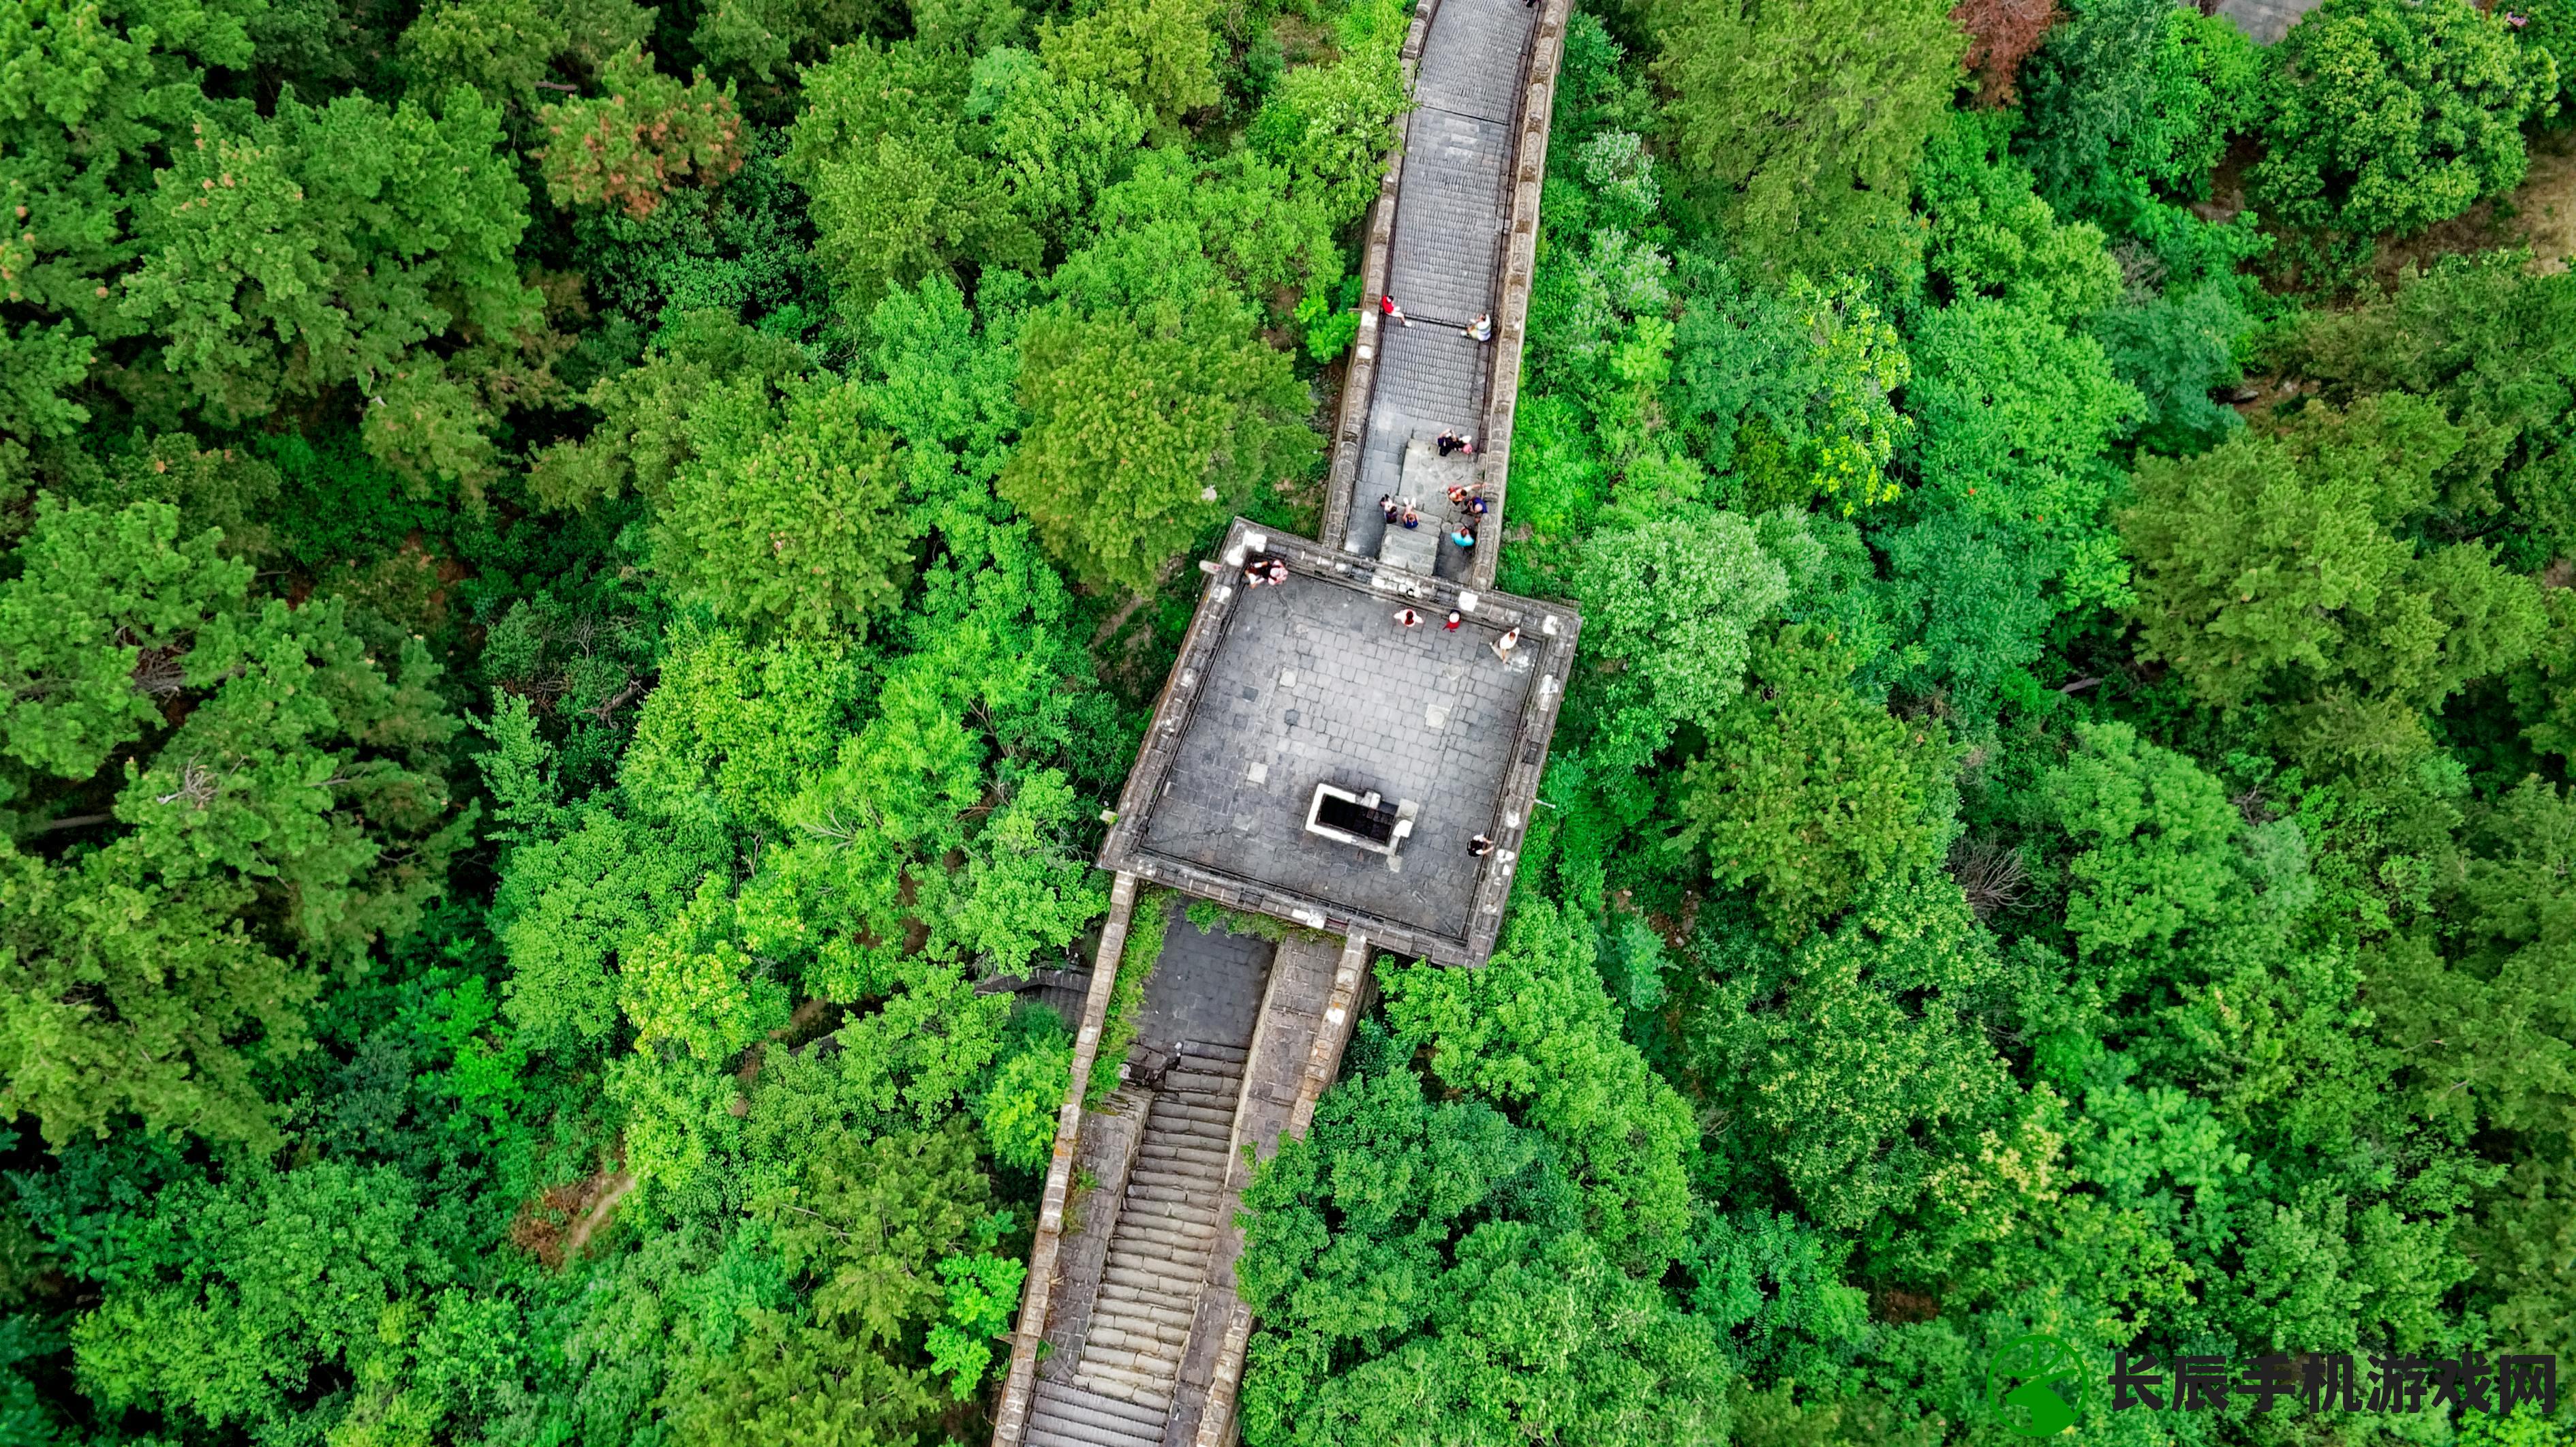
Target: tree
[
  {"x": 2388, "y": 116},
  {"x": 1144, "y": 425},
  {"x": 1160, "y": 53},
  {"x": 869, "y": 1226},
  {"x": 1992, "y": 236},
  {"x": 1331, "y": 125},
  {"x": 100, "y": 96},
  {"x": 787, "y": 517},
  {"x": 1420, "y": 1275},
  {"x": 1793, "y": 391},
  {"x": 649, "y": 132},
  {"x": 2495, "y": 345},
  {"x": 327, "y": 247},
  {"x": 1808, "y": 791},
  {"x": 1808, "y": 116},
  {"x": 1672, "y": 604},
  {"x": 1534, "y": 1030},
  {"x": 2274, "y": 566},
  {"x": 292, "y": 815},
  {"x": 1863, "y": 1073},
  {"x": 2133, "y": 99},
  {"x": 247, "y": 1292},
  {"x": 1059, "y": 142},
  {"x": 897, "y": 191},
  {"x": 2001, "y": 35}
]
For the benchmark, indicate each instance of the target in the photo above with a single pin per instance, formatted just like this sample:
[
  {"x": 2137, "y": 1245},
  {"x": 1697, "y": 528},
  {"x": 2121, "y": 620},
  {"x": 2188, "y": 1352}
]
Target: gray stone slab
[
  {"x": 1206, "y": 987},
  {"x": 1413, "y": 713},
  {"x": 1471, "y": 61},
  {"x": 2266, "y": 21}
]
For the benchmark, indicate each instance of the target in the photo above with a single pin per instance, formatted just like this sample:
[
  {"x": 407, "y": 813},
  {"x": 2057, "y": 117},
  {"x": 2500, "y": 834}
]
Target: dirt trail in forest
[{"x": 618, "y": 1188}]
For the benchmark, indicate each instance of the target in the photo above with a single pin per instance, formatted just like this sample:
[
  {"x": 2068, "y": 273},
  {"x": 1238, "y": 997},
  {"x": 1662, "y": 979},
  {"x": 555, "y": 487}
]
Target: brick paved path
[{"x": 1444, "y": 264}]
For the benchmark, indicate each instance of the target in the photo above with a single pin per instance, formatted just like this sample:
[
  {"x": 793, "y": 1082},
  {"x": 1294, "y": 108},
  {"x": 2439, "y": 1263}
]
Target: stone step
[
  {"x": 1193, "y": 1185},
  {"x": 1173, "y": 1288},
  {"x": 1167, "y": 1110},
  {"x": 1197, "y": 1203},
  {"x": 1162, "y": 1236},
  {"x": 1152, "y": 1391},
  {"x": 1140, "y": 1254},
  {"x": 1233, "y": 1055},
  {"x": 1128, "y": 1334},
  {"x": 1168, "y": 1214},
  {"x": 1183, "y": 1148},
  {"x": 1128, "y": 1304}
]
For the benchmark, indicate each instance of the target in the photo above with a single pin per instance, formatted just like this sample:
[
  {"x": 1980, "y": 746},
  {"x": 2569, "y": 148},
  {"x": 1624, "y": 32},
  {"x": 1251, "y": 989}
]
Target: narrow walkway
[{"x": 1446, "y": 259}]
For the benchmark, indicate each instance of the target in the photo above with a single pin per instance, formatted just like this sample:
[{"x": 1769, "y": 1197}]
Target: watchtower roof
[{"x": 1312, "y": 682}]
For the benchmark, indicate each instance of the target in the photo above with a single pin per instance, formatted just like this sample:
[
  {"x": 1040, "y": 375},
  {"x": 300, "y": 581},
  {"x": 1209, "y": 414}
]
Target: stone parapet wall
[
  {"x": 1359, "y": 375},
  {"x": 1520, "y": 263},
  {"x": 1011, "y": 1416}
]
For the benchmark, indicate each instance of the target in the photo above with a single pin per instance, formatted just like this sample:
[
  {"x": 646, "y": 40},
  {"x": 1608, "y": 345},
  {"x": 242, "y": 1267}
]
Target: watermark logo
[{"x": 2035, "y": 1385}]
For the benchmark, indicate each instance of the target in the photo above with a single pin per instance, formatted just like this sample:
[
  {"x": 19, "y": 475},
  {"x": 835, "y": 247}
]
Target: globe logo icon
[{"x": 2034, "y": 1384}]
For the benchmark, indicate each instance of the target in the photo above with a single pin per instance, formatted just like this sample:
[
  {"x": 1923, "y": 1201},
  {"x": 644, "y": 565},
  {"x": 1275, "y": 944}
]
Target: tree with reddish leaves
[
  {"x": 647, "y": 134},
  {"x": 2001, "y": 35}
]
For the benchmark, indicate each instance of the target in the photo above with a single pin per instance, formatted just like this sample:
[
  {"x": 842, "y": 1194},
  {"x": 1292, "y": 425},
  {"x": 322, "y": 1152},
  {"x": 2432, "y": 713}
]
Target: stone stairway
[
  {"x": 1070, "y": 1416},
  {"x": 1158, "y": 1256}
]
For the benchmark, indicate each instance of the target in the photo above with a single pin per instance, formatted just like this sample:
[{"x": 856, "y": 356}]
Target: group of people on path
[
  {"x": 1468, "y": 499},
  {"x": 1479, "y": 330},
  {"x": 1262, "y": 570},
  {"x": 1412, "y": 618}
]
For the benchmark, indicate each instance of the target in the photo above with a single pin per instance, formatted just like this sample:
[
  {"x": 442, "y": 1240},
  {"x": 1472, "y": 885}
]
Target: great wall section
[{"x": 1316, "y": 760}]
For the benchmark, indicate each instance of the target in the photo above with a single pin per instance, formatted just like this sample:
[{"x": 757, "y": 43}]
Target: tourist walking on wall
[
  {"x": 1481, "y": 329},
  {"x": 1387, "y": 305},
  {"x": 1407, "y": 618},
  {"x": 1504, "y": 645}
]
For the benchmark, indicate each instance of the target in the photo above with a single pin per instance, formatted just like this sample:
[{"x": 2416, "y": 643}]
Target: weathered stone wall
[
  {"x": 1359, "y": 376},
  {"x": 1520, "y": 260},
  {"x": 1011, "y": 1418}
]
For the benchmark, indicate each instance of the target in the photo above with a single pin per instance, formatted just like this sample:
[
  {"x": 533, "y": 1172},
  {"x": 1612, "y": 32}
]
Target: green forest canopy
[{"x": 578, "y": 576}]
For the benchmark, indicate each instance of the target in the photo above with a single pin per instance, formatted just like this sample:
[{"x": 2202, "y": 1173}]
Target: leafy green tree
[
  {"x": 2387, "y": 117},
  {"x": 898, "y": 192},
  {"x": 504, "y": 49},
  {"x": 1808, "y": 117},
  {"x": 763, "y": 38},
  {"x": 787, "y": 517},
  {"x": 1332, "y": 125},
  {"x": 643, "y": 435},
  {"x": 1534, "y": 1030},
  {"x": 1420, "y": 1275},
  {"x": 1992, "y": 236},
  {"x": 1144, "y": 426},
  {"x": 1793, "y": 392},
  {"x": 327, "y": 247},
  {"x": 868, "y": 1226},
  {"x": 1860, "y": 1082},
  {"x": 648, "y": 132},
  {"x": 97, "y": 98},
  {"x": 217, "y": 868},
  {"x": 2495, "y": 345},
  {"x": 1160, "y": 53},
  {"x": 1672, "y": 604},
  {"x": 2274, "y": 567},
  {"x": 1058, "y": 142},
  {"x": 2133, "y": 99},
  {"x": 246, "y": 1293},
  {"x": 2484, "y": 1014},
  {"x": 1807, "y": 790}
]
